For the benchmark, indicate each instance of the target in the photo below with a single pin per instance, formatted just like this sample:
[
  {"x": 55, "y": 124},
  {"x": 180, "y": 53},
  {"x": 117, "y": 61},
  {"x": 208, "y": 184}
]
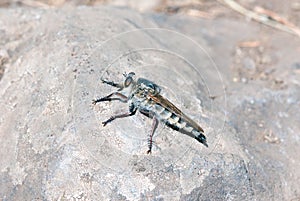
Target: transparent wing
[{"x": 171, "y": 107}]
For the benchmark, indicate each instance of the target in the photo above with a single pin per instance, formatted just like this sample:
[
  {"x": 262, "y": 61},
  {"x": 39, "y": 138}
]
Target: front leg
[
  {"x": 132, "y": 111},
  {"x": 111, "y": 83},
  {"x": 119, "y": 97}
]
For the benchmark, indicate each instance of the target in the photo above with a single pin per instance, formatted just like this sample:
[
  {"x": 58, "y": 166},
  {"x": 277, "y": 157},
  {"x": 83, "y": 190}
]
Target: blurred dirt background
[
  {"x": 256, "y": 45},
  {"x": 249, "y": 59}
]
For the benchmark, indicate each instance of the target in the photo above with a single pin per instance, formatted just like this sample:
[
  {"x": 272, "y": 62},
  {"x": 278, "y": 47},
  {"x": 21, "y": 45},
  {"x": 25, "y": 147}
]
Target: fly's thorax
[
  {"x": 140, "y": 93},
  {"x": 148, "y": 87},
  {"x": 139, "y": 89},
  {"x": 141, "y": 100}
]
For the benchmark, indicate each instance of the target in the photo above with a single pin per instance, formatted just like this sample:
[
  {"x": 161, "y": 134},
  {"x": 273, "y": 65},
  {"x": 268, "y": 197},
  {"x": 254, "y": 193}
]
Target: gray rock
[{"x": 53, "y": 146}]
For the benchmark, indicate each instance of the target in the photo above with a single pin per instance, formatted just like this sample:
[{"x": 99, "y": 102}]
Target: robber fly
[{"x": 144, "y": 96}]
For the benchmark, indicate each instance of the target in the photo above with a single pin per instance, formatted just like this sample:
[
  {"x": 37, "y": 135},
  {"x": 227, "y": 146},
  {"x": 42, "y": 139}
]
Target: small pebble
[{"x": 244, "y": 80}]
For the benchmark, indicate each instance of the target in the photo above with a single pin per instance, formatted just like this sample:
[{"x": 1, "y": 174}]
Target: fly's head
[
  {"x": 148, "y": 87},
  {"x": 129, "y": 79},
  {"x": 129, "y": 83}
]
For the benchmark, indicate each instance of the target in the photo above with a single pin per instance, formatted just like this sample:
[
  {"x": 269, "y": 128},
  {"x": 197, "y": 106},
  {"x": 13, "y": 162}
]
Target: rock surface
[{"x": 53, "y": 146}]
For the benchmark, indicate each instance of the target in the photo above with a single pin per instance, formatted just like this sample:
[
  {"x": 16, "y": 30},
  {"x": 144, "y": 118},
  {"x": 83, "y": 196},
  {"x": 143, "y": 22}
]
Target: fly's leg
[
  {"x": 118, "y": 116},
  {"x": 132, "y": 111},
  {"x": 154, "y": 126},
  {"x": 110, "y": 97},
  {"x": 111, "y": 83}
]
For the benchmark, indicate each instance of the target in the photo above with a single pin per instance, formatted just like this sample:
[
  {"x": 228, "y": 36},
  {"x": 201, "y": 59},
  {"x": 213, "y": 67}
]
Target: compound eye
[{"x": 128, "y": 81}]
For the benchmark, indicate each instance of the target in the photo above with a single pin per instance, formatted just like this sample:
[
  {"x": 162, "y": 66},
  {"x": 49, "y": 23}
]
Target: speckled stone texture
[{"x": 53, "y": 146}]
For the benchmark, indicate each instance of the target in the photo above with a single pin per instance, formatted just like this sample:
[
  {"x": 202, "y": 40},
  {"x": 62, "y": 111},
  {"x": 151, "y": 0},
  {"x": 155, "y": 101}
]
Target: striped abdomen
[{"x": 179, "y": 122}]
